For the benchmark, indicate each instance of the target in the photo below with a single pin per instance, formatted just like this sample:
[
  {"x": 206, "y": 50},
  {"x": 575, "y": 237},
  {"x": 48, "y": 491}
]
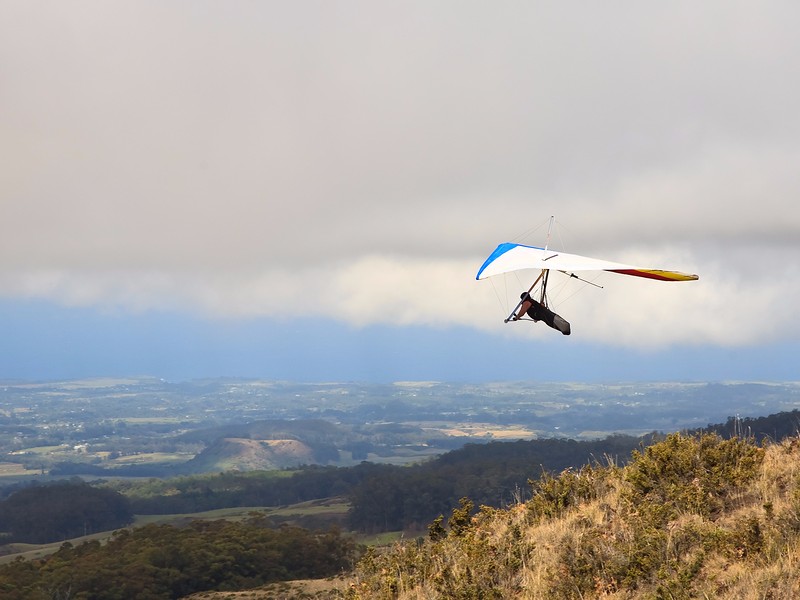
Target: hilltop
[{"x": 689, "y": 517}]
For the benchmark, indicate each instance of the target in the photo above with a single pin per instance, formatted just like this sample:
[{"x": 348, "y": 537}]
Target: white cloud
[{"x": 722, "y": 308}]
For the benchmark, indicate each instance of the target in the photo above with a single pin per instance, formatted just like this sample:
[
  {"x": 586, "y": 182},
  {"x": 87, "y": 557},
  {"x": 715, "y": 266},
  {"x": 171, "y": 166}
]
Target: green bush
[
  {"x": 689, "y": 475},
  {"x": 552, "y": 495}
]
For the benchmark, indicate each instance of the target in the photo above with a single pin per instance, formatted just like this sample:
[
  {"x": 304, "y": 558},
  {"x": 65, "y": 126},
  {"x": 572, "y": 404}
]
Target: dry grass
[{"x": 738, "y": 539}]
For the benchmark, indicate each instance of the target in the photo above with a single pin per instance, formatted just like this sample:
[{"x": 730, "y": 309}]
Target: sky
[{"x": 306, "y": 190}]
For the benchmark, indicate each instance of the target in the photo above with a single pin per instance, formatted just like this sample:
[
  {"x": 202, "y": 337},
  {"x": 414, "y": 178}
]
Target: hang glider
[{"x": 509, "y": 257}]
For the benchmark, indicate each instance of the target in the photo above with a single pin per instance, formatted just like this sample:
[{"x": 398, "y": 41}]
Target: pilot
[{"x": 538, "y": 312}]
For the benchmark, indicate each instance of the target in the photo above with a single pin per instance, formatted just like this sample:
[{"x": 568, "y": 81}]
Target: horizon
[{"x": 181, "y": 348}]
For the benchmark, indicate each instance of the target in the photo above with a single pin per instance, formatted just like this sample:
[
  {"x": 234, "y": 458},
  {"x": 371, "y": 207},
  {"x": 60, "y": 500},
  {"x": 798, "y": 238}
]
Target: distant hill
[
  {"x": 241, "y": 454},
  {"x": 265, "y": 445},
  {"x": 307, "y": 430}
]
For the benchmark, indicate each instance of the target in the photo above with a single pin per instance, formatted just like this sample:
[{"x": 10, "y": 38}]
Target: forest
[
  {"x": 38, "y": 514},
  {"x": 158, "y": 562}
]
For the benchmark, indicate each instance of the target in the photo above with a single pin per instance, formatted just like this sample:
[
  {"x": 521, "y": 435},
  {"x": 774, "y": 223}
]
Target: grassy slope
[{"x": 687, "y": 520}]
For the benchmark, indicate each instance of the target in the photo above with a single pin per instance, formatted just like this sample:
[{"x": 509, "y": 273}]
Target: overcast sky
[{"x": 177, "y": 174}]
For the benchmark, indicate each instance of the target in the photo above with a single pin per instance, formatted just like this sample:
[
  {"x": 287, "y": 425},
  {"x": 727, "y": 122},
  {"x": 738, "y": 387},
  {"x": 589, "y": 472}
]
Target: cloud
[
  {"x": 723, "y": 308},
  {"x": 242, "y": 159}
]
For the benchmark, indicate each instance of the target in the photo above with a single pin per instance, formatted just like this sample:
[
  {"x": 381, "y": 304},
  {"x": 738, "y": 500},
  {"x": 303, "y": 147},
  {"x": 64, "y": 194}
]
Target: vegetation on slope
[
  {"x": 383, "y": 497},
  {"x": 494, "y": 474},
  {"x": 160, "y": 562},
  {"x": 690, "y": 517}
]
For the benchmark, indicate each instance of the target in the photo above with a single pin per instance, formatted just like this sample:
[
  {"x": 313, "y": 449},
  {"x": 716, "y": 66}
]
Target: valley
[{"x": 143, "y": 427}]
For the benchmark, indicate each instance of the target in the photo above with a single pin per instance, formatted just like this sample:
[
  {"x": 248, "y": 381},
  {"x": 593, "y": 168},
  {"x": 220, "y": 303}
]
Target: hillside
[
  {"x": 238, "y": 454},
  {"x": 689, "y": 517}
]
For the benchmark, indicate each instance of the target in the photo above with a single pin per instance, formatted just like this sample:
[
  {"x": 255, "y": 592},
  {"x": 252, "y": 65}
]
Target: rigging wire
[
  {"x": 585, "y": 283},
  {"x": 528, "y": 233},
  {"x": 559, "y": 228},
  {"x": 503, "y": 304}
]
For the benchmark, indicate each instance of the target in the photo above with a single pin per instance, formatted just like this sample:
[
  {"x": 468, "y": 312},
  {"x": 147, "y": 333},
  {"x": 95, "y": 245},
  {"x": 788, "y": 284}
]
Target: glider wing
[{"x": 509, "y": 257}]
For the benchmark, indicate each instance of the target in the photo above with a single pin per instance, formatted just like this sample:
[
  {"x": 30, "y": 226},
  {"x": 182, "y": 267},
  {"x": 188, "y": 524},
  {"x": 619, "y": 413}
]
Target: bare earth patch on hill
[{"x": 307, "y": 589}]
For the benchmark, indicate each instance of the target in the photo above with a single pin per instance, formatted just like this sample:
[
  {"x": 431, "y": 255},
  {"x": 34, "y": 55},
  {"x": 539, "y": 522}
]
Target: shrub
[
  {"x": 552, "y": 495},
  {"x": 689, "y": 474}
]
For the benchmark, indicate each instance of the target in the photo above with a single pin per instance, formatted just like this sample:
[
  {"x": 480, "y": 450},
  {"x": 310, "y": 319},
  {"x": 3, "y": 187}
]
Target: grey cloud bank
[{"x": 231, "y": 159}]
